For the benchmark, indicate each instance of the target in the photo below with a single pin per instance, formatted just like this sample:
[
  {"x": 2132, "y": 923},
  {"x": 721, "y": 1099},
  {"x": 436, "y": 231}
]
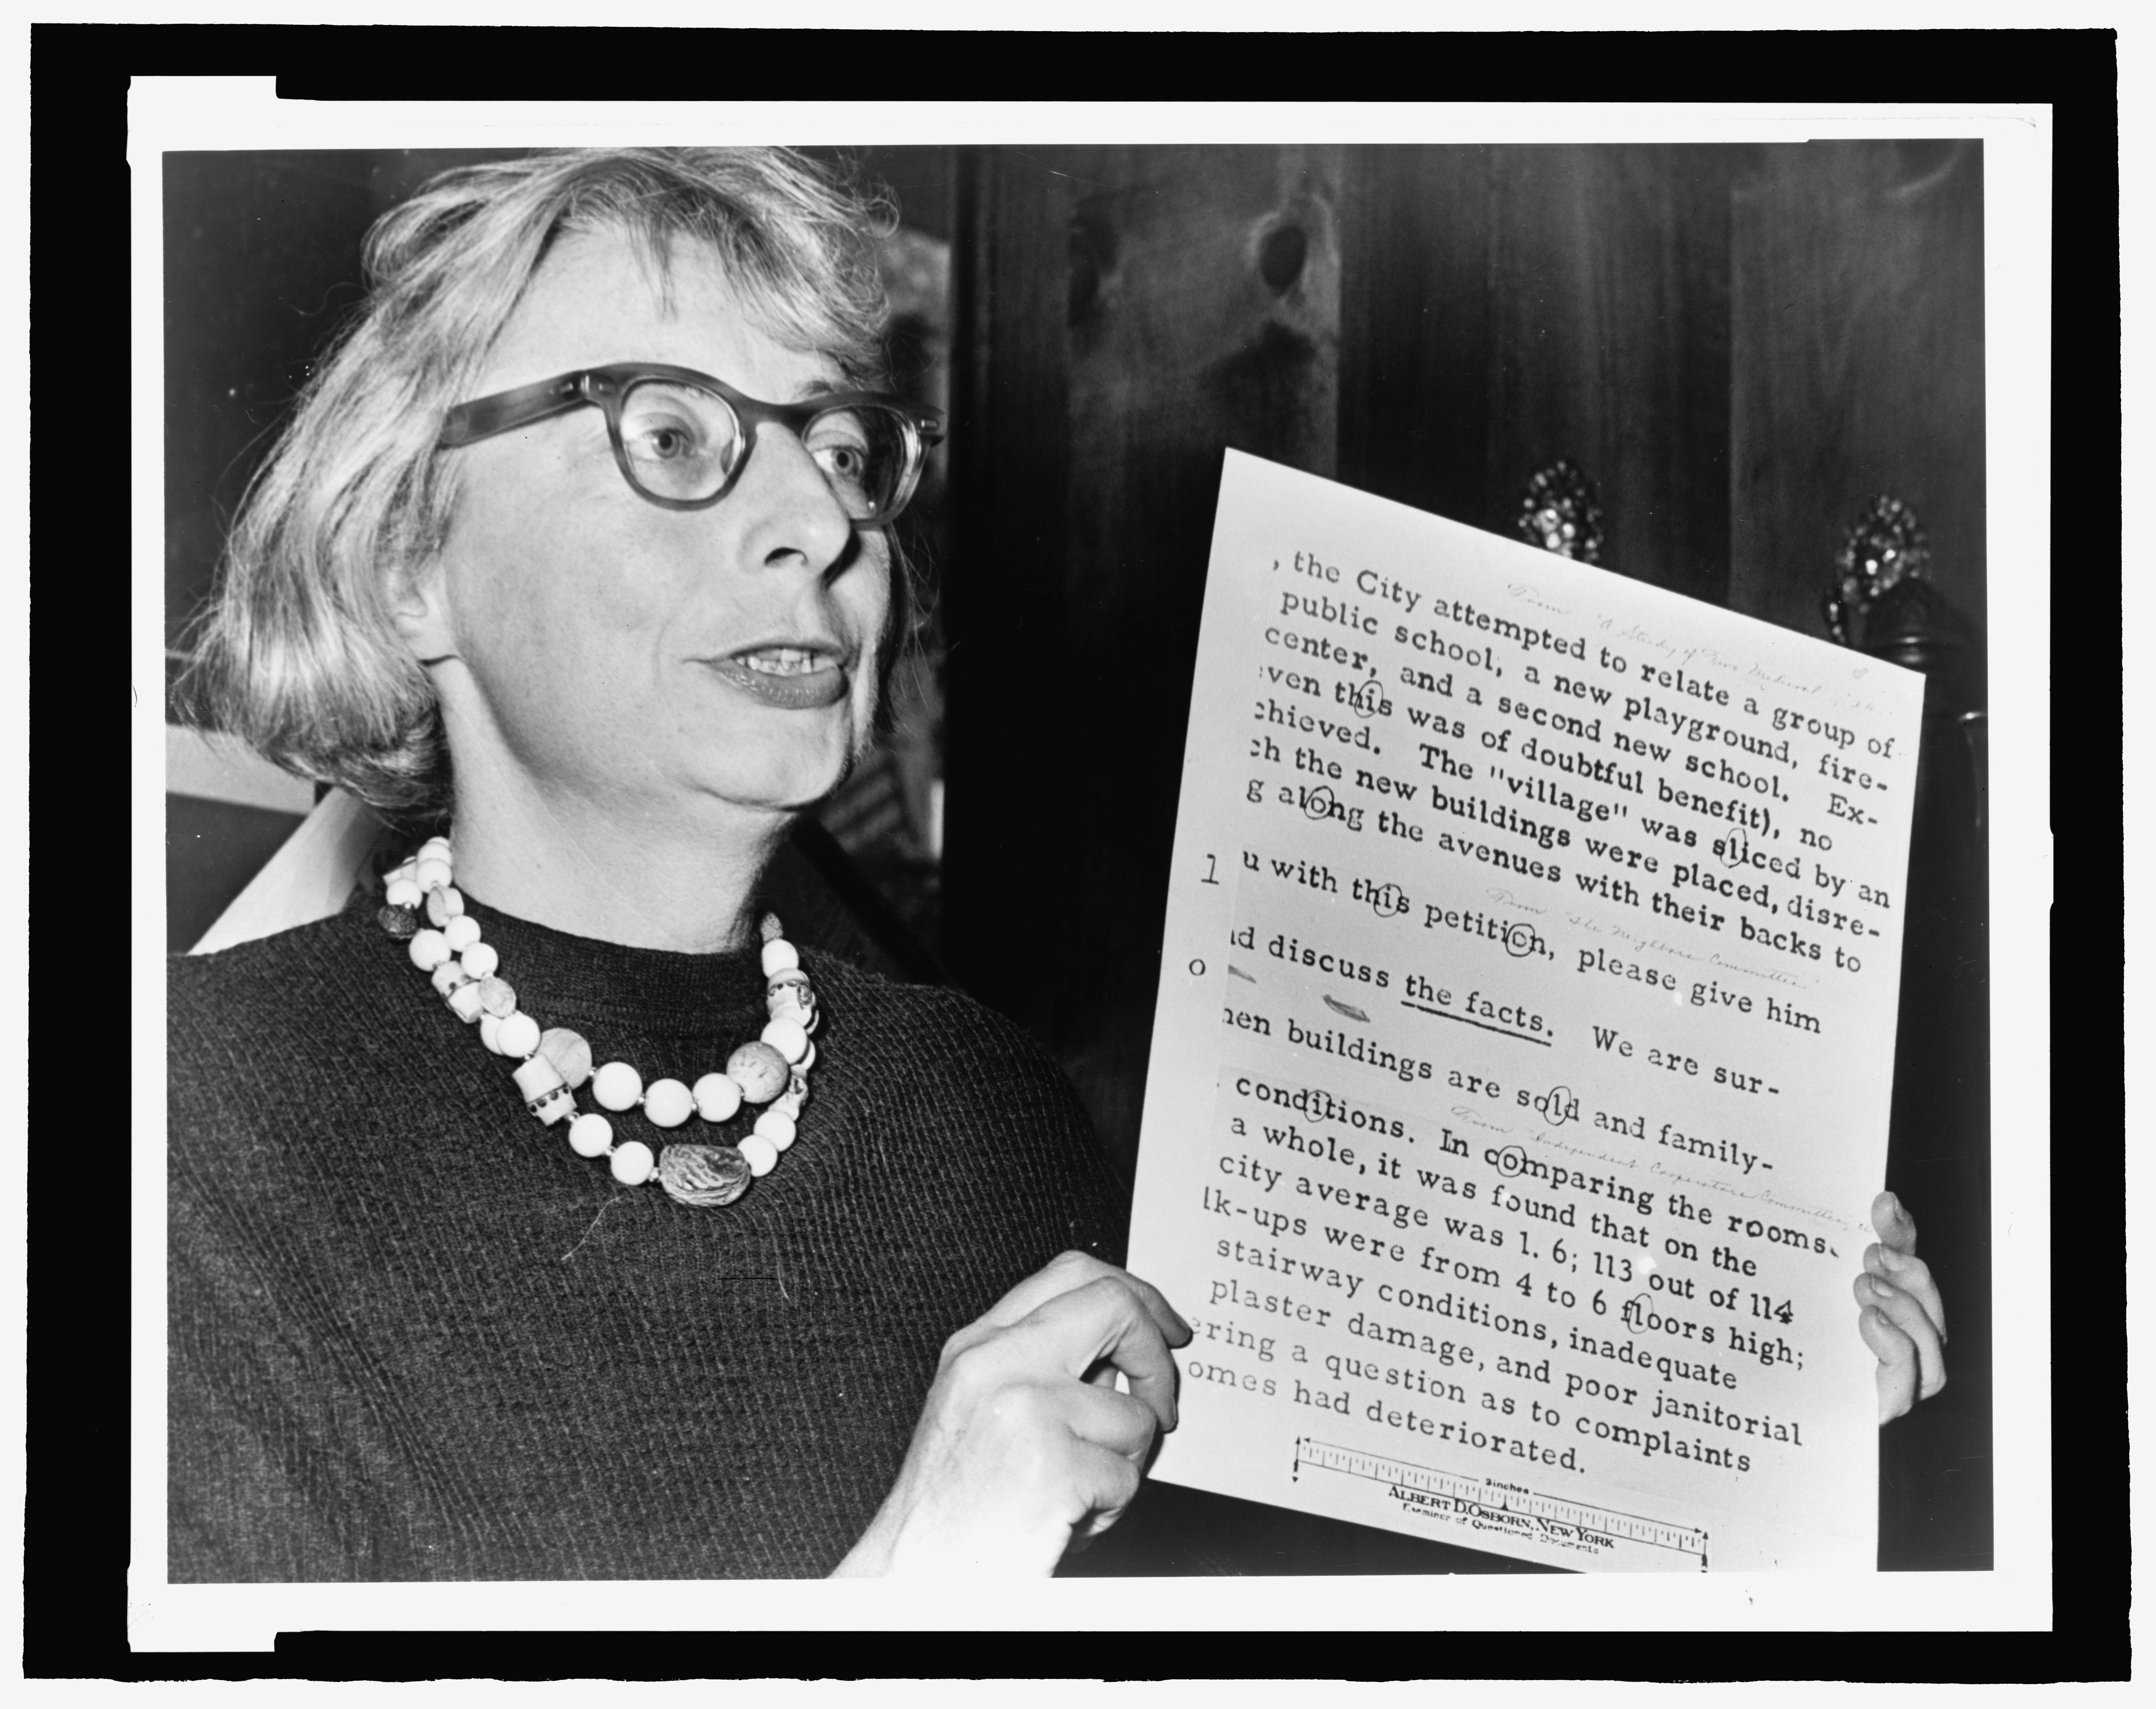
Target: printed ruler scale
[{"x": 1495, "y": 1510}]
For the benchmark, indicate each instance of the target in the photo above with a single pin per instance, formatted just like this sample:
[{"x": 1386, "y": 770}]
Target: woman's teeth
[{"x": 782, "y": 661}]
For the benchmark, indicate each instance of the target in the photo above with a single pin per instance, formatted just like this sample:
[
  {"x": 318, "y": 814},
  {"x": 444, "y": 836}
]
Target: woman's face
[{"x": 636, "y": 659}]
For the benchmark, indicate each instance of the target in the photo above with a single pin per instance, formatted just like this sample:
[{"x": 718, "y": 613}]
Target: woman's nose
[{"x": 792, "y": 512}]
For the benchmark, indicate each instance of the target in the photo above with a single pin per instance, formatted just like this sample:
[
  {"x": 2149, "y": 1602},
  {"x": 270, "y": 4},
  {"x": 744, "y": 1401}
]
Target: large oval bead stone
[
  {"x": 633, "y": 1163},
  {"x": 429, "y": 949},
  {"x": 617, "y": 1086},
  {"x": 717, "y": 1096},
  {"x": 758, "y": 1070},
  {"x": 762, "y": 1154},
  {"x": 705, "y": 1175},
  {"x": 590, "y": 1135},
  {"x": 779, "y": 956},
  {"x": 566, "y": 1051},
  {"x": 497, "y": 996},
  {"x": 399, "y": 922},
  {"x": 667, "y": 1103}
]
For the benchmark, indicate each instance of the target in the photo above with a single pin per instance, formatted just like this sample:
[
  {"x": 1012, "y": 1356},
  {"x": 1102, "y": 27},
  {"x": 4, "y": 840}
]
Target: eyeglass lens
[{"x": 685, "y": 443}]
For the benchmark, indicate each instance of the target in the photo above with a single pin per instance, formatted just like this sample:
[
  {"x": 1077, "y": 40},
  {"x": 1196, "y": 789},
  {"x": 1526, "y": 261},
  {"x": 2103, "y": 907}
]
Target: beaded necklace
[{"x": 550, "y": 1065}]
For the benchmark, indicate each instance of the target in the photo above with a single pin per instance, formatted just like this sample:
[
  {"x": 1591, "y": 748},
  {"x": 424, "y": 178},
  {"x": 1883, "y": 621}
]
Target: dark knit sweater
[{"x": 413, "y": 1334}]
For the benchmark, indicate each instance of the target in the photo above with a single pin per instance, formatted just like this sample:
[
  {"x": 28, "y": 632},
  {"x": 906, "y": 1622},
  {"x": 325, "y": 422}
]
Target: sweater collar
[{"x": 562, "y": 978}]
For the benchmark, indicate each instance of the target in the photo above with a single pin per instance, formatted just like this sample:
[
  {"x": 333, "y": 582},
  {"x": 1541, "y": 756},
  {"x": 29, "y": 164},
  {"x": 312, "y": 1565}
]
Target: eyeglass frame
[{"x": 605, "y": 387}]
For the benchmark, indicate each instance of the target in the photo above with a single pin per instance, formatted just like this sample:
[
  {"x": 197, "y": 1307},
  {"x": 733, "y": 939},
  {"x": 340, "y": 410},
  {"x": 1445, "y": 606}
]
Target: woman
[{"x": 575, "y": 556}]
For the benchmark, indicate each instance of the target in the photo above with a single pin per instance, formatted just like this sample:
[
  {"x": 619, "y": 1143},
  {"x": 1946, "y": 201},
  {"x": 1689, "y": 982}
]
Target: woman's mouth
[{"x": 797, "y": 679}]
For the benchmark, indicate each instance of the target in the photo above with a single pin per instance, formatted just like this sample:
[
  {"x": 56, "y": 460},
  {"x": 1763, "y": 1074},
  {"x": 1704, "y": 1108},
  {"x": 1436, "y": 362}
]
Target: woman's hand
[
  {"x": 1024, "y": 1441},
  {"x": 1901, "y": 1318}
]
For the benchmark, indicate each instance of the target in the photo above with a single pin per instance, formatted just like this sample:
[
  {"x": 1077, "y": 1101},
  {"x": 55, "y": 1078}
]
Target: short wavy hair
[{"x": 297, "y": 652}]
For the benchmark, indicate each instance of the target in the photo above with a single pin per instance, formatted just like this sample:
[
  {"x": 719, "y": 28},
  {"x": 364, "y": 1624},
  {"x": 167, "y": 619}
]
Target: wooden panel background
[
  {"x": 1608, "y": 292},
  {"x": 1197, "y": 306},
  {"x": 1857, "y": 359}
]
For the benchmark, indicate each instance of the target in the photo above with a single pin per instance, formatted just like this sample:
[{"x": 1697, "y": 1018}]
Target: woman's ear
[{"x": 419, "y": 606}]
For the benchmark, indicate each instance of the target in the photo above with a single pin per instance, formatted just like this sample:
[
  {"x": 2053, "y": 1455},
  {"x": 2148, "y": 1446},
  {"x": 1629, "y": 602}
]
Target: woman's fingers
[
  {"x": 1910, "y": 1275},
  {"x": 1064, "y": 1271},
  {"x": 1109, "y": 1482},
  {"x": 1024, "y": 1437},
  {"x": 1071, "y": 1270},
  {"x": 1121, "y": 1423},
  {"x": 1892, "y": 1221},
  {"x": 1898, "y": 1363},
  {"x": 1107, "y": 1319},
  {"x": 1907, "y": 1314}
]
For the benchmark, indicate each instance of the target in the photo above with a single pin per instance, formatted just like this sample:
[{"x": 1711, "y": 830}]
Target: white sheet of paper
[{"x": 1522, "y": 1064}]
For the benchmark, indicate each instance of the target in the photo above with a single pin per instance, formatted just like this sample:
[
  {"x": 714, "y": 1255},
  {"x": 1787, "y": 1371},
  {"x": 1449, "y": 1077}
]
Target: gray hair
[{"x": 297, "y": 652}]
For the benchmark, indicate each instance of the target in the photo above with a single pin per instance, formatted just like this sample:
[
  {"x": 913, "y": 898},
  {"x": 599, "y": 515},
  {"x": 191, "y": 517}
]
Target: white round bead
[
  {"x": 431, "y": 873},
  {"x": 429, "y": 949},
  {"x": 444, "y": 904},
  {"x": 490, "y": 1031},
  {"x": 436, "y": 847},
  {"x": 788, "y": 1037},
  {"x": 403, "y": 893},
  {"x": 518, "y": 1035},
  {"x": 759, "y": 1154},
  {"x": 779, "y": 956},
  {"x": 463, "y": 1003},
  {"x": 589, "y": 1136},
  {"x": 633, "y": 1163},
  {"x": 617, "y": 1086},
  {"x": 667, "y": 1103},
  {"x": 462, "y": 933},
  {"x": 481, "y": 959},
  {"x": 808, "y": 1059},
  {"x": 777, "y": 1127},
  {"x": 716, "y": 1097}
]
